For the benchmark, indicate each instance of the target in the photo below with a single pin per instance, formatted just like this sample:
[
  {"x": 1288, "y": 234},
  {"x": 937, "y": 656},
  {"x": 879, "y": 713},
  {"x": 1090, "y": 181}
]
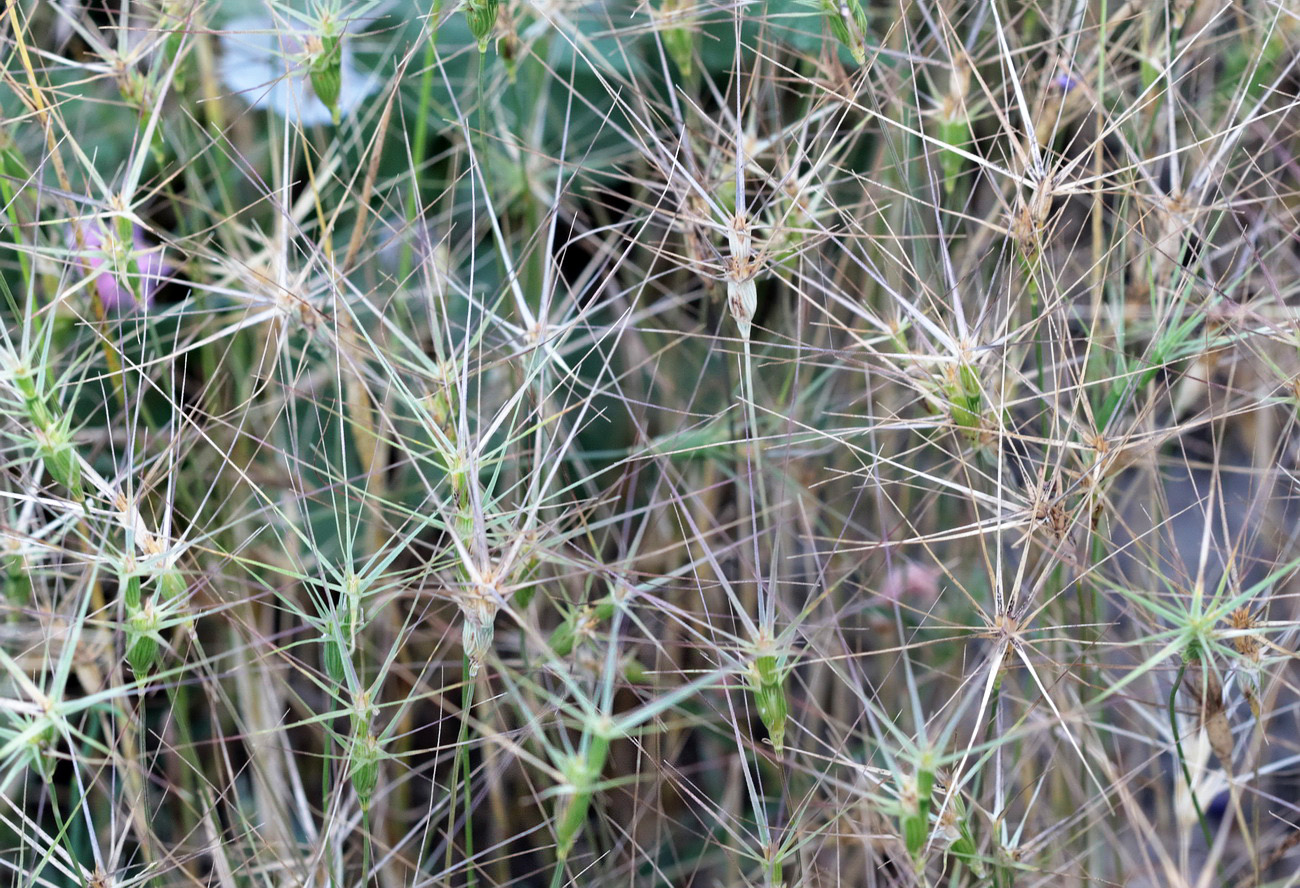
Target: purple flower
[
  {"x": 1064, "y": 82},
  {"x": 108, "y": 260}
]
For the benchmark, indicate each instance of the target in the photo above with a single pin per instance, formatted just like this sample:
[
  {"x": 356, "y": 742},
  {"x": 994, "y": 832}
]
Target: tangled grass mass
[{"x": 683, "y": 443}]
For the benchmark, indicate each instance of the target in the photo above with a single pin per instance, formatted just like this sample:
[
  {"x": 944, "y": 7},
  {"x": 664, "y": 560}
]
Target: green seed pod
[
  {"x": 366, "y": 756},
  {"x": 969, "y": 396},
  {"x": 135, "y": 88},
  {"x": 768, "y": 686},
  {"x": 568, "y": 822},
  {"x": 914, "y": 833},
  {"x": 580, "y": 623},
  {"x": 332, "y": 658},
  {"x": 524, "y": 595},
  {"x": 18, "y": 581},
  {"x": 142, "y": 640},
  {"x": 582, "y": 773},
  {"x": 680, "y": 43},
  {"x": 954, "y": 132},
  {"x": 848, "y": 22},
  {"x": 327, "y": 73},
  {"x": 679, "y": 40},
  {"x": 129, "y": 583},
  {"x": 924, "y": 785},
  {"x": 21, "y": 374},
  {"x": 953, "y": 118},
  {"x": 774, "y": 710},
  {"x": 39, "y": 413},
  {"x": 634, "y": 671},
  {"x": 564, "y": 636},
  {"x": 171, "y": 46},
  {"x": 440, "y": 411},
  {"x": 604, "y": 609},
  {"x": 965, "y": 399},
  {"x": 837, "y": 25},
  {"x": 171, "y": 584},
  {"x": 914, "y": 821},
  {"x": 963, "y": 847},
  {"x": 525, "y": 589},
  {"x": 954, "y": 827},
  {"x": 56, "y": 451},
  {"x": 482, "y": 18}
]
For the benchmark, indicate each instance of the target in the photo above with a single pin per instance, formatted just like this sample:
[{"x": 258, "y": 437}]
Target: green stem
[{"x": 461, "y": 764}]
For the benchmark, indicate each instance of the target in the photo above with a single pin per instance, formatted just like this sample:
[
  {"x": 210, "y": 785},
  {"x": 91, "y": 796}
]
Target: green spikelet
[
  {"x": 955, "y": 828},
  {"x": 964, "y": 397},
  {"x": 481, "y": 15},
  {"x": 678, "y": 40},
  {"x": 848, "y": 22},
  {"x": 634, "y": 671},
  {"x": 477, "y": 630},
  {"x": 914, "y": 833},
  {"x": 914, "y": 821},
  {"x": 327, "y": 74},
  {"x": 142, "y": 640},
  {"x": 366, "y": 756},
  {"x": 582, "y": 772},
  {"x": 770, "y": 700},
  {"x": 17, "y": 580},
  {"x": 171, "y": 584},
  {"x": 332, "y": 658},
  {"x": 562, "y": 639},
  {"x": 129, "y": 583},
  {"x": 580, "y": 623},
  {"x": 925, "y": 784},
  {"x": 55, "y": 448},
  {"x": 954, "y": 131}
]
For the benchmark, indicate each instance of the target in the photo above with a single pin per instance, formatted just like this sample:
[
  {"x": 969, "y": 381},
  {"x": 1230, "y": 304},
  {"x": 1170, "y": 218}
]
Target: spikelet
[
  {"x": 679, "y": 40},
  {"x": 768, "y": 687},
  {"x": 481, "y": 15},
  {"x": 366, "y": 756},
  {"x": 142, "y": 639},
  {"x": 478, "y": 613},
  {"x": 742, "y": 265},
  {"x": 848, "y": 22},
  {"x": 326, "y": 69}
]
